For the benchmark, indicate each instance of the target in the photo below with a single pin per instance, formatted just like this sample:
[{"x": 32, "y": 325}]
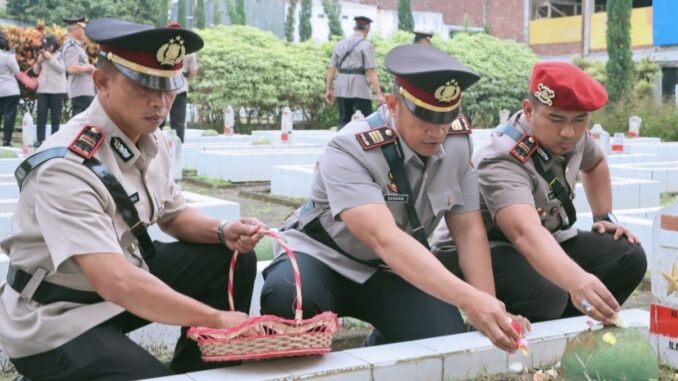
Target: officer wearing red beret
[
  {"x": 383, "y": 184},
  {"x": 545, "y": 268},
  {"x": 83, "y": 269}
]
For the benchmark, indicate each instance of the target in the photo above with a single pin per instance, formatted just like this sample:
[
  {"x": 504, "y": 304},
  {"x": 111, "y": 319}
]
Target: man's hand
[
  {"x": 489, "y": 316},
  {"x": 229, "y": 319},
  {"x": 525, "y": 325},
  {"x": 380, "y": 100},
  {"x": 603, "y": 227},
  {"x": 243, "y": 234},
  {"x": 329, "y": 97},
  {"x": 592, "y": 298}
]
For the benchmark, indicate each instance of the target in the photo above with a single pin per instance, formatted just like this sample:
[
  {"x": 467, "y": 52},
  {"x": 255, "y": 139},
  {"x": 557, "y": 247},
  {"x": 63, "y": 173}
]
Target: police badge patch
[
  {"x": 121, "y": 149},
  {"x": 375, "y": 137}
]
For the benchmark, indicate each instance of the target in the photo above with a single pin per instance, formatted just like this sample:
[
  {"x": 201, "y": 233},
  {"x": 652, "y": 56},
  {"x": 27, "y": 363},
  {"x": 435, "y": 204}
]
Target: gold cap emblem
[
  {"x": 448, "y": 92},
  {"x": 172, "y": 52},
  {"x": 544, "y": 94}
]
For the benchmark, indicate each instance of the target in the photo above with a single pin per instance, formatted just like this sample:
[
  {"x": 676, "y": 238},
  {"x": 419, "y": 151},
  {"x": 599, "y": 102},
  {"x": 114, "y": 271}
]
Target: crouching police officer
[
  {"x": 83, "y": 270},
  {"x": 382, "y": 186},
  {"x": 527, "y": 176}
]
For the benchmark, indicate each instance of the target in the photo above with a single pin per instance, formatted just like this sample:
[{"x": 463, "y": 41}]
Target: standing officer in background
[
  {"x": 527, "y": 175},
  {"x": 80, "y": 83},
  {"x": 178, "y": 111},
  {"x": 354, "y": 58},
  {"x": 83, "y": 270},
  {"x": 383, "y": 184},
  {"x": 422, "y": 38}
]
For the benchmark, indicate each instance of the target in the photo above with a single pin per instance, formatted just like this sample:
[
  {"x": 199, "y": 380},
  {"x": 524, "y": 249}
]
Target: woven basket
[{"x": 268, "y": 336}]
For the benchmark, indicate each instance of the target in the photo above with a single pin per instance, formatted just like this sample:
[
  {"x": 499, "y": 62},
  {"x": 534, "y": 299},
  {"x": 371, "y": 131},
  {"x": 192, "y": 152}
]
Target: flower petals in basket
[{"x": 268, "y": 336}]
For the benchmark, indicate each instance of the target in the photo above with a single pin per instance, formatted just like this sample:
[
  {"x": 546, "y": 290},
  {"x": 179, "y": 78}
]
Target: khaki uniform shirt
[
  {"x": 505, "y": 181},
  {"x": 362, "y": 57},
  {"x": 190, "y": 64},
  {"x": 81, "y": 84},
  {"x": 350, "y": 176},
  {"x": 64, "y": 210}
]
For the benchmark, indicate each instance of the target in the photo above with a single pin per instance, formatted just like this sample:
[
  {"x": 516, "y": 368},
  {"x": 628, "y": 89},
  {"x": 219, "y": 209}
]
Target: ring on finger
[{"x": 586, "y": 305}]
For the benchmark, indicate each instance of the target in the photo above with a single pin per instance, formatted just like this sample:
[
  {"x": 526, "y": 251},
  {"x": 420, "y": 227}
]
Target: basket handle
[{"x": 298, "y": 313}]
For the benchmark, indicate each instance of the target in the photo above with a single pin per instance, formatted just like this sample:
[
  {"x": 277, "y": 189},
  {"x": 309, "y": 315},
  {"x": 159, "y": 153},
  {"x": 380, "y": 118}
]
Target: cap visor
[
  {"x": 431, "y": 116},
  {"x": 151, "y": 81}
]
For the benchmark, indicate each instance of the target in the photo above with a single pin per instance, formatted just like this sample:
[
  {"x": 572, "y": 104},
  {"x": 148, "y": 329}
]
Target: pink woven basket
[{"x": 268, "y": 336}]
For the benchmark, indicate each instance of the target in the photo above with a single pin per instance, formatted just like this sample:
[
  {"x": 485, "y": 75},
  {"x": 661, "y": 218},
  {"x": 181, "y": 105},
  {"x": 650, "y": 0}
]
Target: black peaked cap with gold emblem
[
  {"x": 430, "y": 81},
  {"x": 152, "y": 57}
]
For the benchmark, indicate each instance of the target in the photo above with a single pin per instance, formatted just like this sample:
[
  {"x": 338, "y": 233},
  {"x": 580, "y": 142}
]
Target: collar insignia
[
  {"x": 121, "y": 149},
  {"x": 544, "y": 94},
  {"x": 172, "y": 52},
  {"x": 87, "y": 141},
  {"x": 448, "y": 92}
]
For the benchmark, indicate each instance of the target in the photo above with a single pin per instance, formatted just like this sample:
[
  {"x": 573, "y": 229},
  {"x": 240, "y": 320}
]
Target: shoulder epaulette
[
  {"x": 87, "y": 141},
  {"x": 376, "y": 137},
  {"x": 524, "y": 148},
  {"x": 460, "y": 126}
]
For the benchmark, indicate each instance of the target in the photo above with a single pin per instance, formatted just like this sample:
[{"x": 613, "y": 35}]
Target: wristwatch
[{"x": 608, "y": 216}]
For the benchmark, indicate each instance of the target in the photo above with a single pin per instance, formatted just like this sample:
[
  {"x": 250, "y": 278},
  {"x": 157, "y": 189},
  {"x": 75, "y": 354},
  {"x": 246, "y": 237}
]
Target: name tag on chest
[{"x": 401, "y": 198}]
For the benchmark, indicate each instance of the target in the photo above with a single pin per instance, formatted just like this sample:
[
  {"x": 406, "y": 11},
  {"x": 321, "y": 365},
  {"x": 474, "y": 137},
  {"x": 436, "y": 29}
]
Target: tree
[
  {"x": 181, "y": 12},
  {"x": 305, "y": 29},
  {"x": 216, "y": 15},
  {"x": 289, "y": 21},
  {"x": 405, "y": 20},
  {"x": 54, "y": 11},
  {"x": 164, "y": 12},
  {"x": 333, "y": 11},
  {"x": 620, "y": 63},
  {"x": 200, "y": 14},
  {"x": 236, "y": 11}
]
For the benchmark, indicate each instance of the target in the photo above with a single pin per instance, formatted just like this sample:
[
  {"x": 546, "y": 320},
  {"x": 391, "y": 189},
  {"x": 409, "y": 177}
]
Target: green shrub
[
  {"x": 246, "y": 67},
  {"x": 659, "y": 120}
]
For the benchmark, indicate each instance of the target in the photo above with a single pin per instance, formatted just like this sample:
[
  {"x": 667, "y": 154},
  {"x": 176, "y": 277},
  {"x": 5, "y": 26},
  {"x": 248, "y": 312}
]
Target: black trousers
[
  {"x": 398, "y": 310},
  {"x": 178, "y": 115},
  {"x": 618, "y": 264},
  {"x": 8, "y": 107},
  {"x": 348, "y": 106},
  {"x": 52, "y": 103},
  {"x": 106, "y": 353},
  {"x": 80, "y": 104}
]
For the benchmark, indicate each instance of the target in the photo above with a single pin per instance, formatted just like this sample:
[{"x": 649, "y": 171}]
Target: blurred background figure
[
  {"x": 178, "y": 111},
  {"x": 80, "y": 84},
  {"x": 423, "y": 38},
  {"x": 9, "y": 89},
  {"x": 51, "y": 85}
]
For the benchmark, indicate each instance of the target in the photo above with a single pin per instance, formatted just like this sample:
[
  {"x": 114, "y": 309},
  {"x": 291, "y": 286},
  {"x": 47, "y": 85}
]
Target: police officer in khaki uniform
[
  {"x": 83, "y": 270},
  {"x": 80, "y": 84},
  {"x": 423, "y": 38},
  {"x": 382, "y": 186},
  {"x": 353, "y": 58},
  {"x": 527, "y": 175}
]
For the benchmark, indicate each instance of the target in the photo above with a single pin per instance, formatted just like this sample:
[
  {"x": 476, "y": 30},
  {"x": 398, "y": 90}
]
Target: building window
[
  {"x": 564, "y": 8},
  {"x": 669, "y": 81}
]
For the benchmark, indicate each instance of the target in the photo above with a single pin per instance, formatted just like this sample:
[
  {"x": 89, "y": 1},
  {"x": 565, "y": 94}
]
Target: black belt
[
  {"x": 352, "y": 71},
  {"x": 47, "y": 292},
  {"x": 315, "y": 230}
]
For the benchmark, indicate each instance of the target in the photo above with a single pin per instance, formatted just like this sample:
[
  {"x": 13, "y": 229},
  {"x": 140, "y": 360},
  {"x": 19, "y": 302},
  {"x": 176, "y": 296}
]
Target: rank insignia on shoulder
[
  {"x": 460, "y": 126},
  {"x": 524, "y": 148},
  {"x": 376, "y": 137},
  {"x": 121, "y": 149},
  {"x": 87, "y": 141}
]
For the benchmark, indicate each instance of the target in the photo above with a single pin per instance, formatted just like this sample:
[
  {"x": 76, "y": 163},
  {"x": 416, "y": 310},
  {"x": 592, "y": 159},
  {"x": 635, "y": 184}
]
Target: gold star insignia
[{"x": 672, "y": 280}]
